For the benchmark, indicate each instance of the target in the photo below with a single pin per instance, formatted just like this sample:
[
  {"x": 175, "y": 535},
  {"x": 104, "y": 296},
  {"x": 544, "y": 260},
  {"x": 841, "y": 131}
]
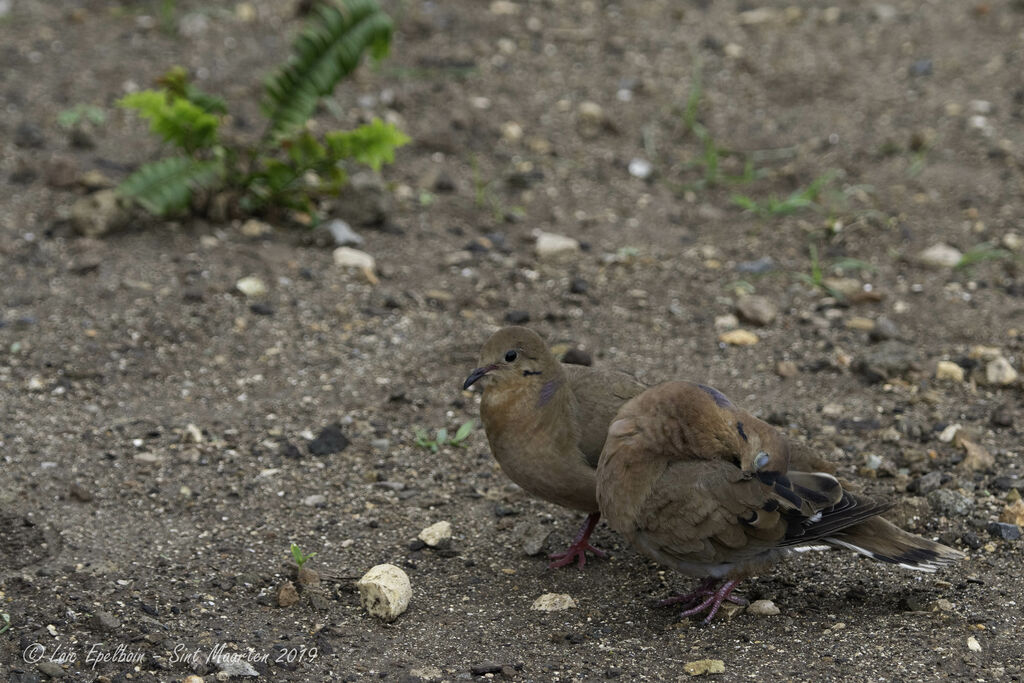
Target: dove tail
[{"x": 882, "y": 540}]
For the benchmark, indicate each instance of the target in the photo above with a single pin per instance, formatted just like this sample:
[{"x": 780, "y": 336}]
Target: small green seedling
[
  {"x": 979, "y": 253},
  {"x": 774, "y": 206},
  {"x": 71, "y": 117},
  {"x": 7, "y": 621},
  {"x": 441, "y": 437},
  {"x": 300, "y": 558}
]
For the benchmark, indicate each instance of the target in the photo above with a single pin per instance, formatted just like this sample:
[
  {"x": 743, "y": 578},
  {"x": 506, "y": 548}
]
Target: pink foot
[
  {"x": 706, "y": 598},
  {"x": 577, "y": 552}
]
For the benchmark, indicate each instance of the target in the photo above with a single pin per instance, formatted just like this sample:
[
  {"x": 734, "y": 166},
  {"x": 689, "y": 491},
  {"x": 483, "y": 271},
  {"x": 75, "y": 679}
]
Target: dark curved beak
[{"x": 477, "y": 374}]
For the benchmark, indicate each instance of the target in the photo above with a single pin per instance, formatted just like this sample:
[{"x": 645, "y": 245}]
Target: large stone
[
  {"x": 98, "y": 213},
  {"x": 385, "y": 591}
]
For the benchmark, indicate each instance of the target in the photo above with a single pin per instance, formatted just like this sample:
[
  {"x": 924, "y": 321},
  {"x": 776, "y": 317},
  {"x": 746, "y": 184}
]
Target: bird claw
[
  {"x": 706, "y": 598},
  {"x": 577, "y": 552}
]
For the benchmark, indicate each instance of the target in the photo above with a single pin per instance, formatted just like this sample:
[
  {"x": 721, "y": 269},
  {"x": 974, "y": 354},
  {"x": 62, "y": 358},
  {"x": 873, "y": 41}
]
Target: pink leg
[
  {"x": 580, "y": 545},
  {"x": 713, "y": 602},
  {"x": 706, "y": 588}
]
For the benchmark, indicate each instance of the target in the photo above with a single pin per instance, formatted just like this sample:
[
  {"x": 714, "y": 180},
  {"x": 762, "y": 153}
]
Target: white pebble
[
  {"x": 763, "y": 608},
  {"x": 940, "y": 256},
  {"x": 999, "y": 371},
  {"x": 436, "y": 534},
  {"x": 553, "y": 602},
  {"x": 973, "y": 645},
  {"x": 550, "y": 245},
  {"x": 384, "y": 591},
  {"x": 251, "y": 286},
  {"x": 347, "y": 257},
  {"x": 640, "y": 168},
  {"x": 947, "y": 369}
]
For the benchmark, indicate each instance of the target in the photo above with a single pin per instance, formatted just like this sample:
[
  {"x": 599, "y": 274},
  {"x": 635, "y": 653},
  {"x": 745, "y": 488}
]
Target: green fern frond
[
  {"x": 373, "y": 144},
  {"x": 325, "y": 52},
  {"x": 167, "y": 185},
  {"x": 176, "y": 82},
  {"x": 175, "y": 119}
]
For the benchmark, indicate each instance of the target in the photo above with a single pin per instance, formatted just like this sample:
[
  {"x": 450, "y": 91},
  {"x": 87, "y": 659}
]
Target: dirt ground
[{"x": 159, "y": 430}]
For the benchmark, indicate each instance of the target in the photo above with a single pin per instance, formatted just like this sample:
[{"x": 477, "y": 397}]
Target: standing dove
[
  {"x": 546, "y": 423},
  {"x": 699, "y": 485}
]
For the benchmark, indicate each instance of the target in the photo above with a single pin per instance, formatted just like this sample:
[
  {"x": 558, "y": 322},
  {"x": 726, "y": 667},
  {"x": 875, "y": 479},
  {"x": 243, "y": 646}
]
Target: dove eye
[
  {"x": 510, "y": 356},
  {"x": 761, "y": 460}
]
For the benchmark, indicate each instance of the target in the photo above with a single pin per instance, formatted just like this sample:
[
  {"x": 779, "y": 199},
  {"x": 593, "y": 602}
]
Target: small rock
[
  {"x": 949, "y": 432},
  {"x": 308, "y": 577},
  {"x": 286, "y": 594},
  {"x": 553, "y": 602},
  {"x": 80, "y": 493},
  {"x": 51, "y": 669},
  {"x": 973, "y": 645},
  {"x": 726, "y": 322},
  {"x": 999, "y": 371},
  {"x": 517, "y": 317},
  {"x": 260, "y": 308},
  {"x": 532, "y": 537},
  {"x": 948, "y": 370},
  {"x": 104, "y": 621},
  {"x": 427, "y": 673},
  {"x": 329, "y": 441},
  {"x": 1004, "y": 531},
  {"x": 977, "y": 459},
  {"x": 347, "y": 257},
  {"x": 385, "y": 591},
  {"x": 578, "y": 286},
  {"x": 764, "y": 608},
  {"x": 702, "y": 667},
  {"x": 315, "y": 500},
  {"x": 551, "y": 245},
  {"x": 940, "y": 256},
  {"x": 590, "y": 119},
  {"x": 950, "y": 503},
  {"x": 738, "y": 337},
  {"x": 640, "y": 168},
  {"x": 1003, "y": 416},
  {"x": 29, "y": 136},
  {"x": 251, "y": 286},
  {"x": 233, "y": 665},
  {"x": 786, "y": 369},
  {"x": 762, "y": 265},
  {"x": 93, "y": 180},
  {"x": 1013, "y": 513},
  {"x": 921, "y": 67},
  {"x": 61, "y": 173},
  {"x": 845, "y": 287},
  {"x": 1012, "y": 241},
  {"x": 754, "y": 17},
  {"x": 255, "y": 228},
  {"x": 365, "y": 200},
  {"x": 889, "y": 360},
  {"x": 757, "y": 310},
  {"x": 926, "y": 483},
  {"x": 486, "y": 669},
  {"x": 437, "y": 534},
  {"x": 147, "y": 458},
  {"x": 883, "y": 330},
  {"x": 98, "y": 213},
  {"x": 342, "y": 233}
]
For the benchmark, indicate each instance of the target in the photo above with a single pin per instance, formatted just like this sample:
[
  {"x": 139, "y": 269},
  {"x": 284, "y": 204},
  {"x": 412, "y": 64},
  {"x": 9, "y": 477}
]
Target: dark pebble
[
  {"x": 1005, "y": 531},
  {"x": 290, "y": 450},
  {"x": 29, "y": 135},
  {"x": 1003, "y": 416},
  {"x": 517, "y": 317},
  {"x": 261, "y": 309},
  {"x": 926, "y": 483},
  {"x": 921, "y": 67},
  {"x": 417, "y": 545},
  {"x": 330, "y": 440},
  {"x": 972, "y": 540},
  {"x": 484, "y": 669},
  {"x": 579, "y": 286},
  {"x": 501, "y": 510},
  {"x": 447, "y": 552},
  {"x": 577, "y": 357},
  {"x": 612, "y": 672},
  {"x": 761, "y": 265}
]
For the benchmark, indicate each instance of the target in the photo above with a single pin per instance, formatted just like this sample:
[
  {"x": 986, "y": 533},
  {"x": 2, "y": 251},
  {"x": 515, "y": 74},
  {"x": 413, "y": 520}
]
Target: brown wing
[
  {"x": 675, "y": 479},
  {"x": 599, "y": 396}
]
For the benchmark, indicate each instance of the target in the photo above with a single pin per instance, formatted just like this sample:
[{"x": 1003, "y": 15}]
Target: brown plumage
[
  {"x": 697, "y": 484},
  {"x": 546, "y": 423}
]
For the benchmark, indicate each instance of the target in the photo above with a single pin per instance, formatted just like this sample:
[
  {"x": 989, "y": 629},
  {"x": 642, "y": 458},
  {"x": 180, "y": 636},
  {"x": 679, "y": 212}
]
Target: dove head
[{"x": 514, "y": 353}]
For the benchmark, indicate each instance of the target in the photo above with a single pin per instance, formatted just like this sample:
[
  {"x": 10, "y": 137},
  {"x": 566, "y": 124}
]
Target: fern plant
[{"x": 287, "y": 167}]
